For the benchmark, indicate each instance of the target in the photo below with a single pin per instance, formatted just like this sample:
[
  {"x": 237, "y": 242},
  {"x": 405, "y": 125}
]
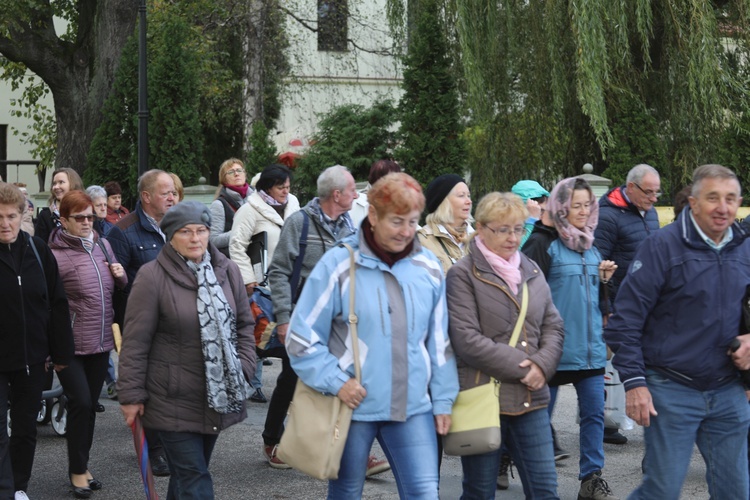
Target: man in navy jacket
[
  {"x": 676, "y": 314},
  {"x": 626, "y": 217}
]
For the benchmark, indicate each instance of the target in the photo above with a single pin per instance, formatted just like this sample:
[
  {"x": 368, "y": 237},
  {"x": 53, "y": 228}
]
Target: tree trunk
[
  {"x": 253, "y": 47},
  {"x": 79, "y": 73}
]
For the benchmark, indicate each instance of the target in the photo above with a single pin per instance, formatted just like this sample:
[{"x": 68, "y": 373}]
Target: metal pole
[{"x": 142, "y": 93}]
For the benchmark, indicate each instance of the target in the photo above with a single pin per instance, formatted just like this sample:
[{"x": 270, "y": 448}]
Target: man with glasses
[{"x": 626, "y": 217}]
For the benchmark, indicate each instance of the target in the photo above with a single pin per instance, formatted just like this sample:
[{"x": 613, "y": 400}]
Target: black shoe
[
  {"x": 99, "y": 408},
  {"x": 613, "y": 436},
  {"x": 267, "y": 362},
  {"x": 159, "y": 466},
  {"x": 258, "y": 397},
  {"x": 80, "y": 492},
  {"x": 95, "y": 484}
]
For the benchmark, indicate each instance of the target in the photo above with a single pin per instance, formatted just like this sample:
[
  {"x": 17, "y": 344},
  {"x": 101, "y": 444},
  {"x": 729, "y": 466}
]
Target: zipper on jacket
[
  {"x": 23, "y": 309},
  {"x": 589, "y": 318},
  {"x": 101, "y": 294}
]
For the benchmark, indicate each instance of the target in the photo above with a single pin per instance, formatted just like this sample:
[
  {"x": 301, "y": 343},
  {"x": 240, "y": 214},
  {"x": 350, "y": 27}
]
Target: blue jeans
[
  {"x": 189, "y": 454},
  {"x": 590, "y": 393},
  {"x": 529, "y": 440},
  {"x": 410, "y": 447},
  {"x": 716, "y": 420}
]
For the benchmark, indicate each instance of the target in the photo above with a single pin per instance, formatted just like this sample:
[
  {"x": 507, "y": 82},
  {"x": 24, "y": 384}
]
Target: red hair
[
  {"x": 398, "y": 193},
  {"x": 75, "y": 201}
]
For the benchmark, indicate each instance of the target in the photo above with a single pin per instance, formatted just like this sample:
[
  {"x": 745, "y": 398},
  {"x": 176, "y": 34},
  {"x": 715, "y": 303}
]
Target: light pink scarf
[
  {"x": 508, "y": 270},
  {"x": 558, "y": 206}
]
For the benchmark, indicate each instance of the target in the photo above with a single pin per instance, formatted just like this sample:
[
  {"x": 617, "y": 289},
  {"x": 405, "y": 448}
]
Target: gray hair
[
  {"x": 638, "y": 172},
  {"x": 331, "y": 179},
  {"x": 147, "y": 182},
  {"x": 711, "y": 171},
  {"x": 95, "y": 192}
]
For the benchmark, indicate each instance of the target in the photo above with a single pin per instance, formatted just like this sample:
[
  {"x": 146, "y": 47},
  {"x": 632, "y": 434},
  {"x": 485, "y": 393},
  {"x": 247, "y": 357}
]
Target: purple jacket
[{"x": 90, "y": 286}]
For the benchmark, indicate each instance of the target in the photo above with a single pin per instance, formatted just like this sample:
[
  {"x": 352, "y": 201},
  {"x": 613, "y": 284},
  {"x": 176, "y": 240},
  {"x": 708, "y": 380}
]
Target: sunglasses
[{"x": 81, "y": 218}]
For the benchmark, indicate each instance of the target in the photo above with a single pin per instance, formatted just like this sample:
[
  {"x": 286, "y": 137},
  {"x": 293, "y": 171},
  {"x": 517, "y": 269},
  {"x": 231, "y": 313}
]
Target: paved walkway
[{"x": 239, "y": 471}]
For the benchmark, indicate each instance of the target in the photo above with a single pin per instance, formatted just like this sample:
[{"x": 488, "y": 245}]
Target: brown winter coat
[
  {"x": 161, "y": 362},
  {"x": 483, "y": 311}
]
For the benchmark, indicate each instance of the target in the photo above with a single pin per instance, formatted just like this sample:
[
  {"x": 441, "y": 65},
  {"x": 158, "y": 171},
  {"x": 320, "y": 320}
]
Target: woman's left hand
[
  {"x": 535, "y": 379},
  {"x": 117, "y": 270},
  {"x": 442, "y": 424}
]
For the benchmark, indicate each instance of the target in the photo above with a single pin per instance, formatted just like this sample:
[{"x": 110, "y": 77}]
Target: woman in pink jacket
[{"x": 89, "y": 273}]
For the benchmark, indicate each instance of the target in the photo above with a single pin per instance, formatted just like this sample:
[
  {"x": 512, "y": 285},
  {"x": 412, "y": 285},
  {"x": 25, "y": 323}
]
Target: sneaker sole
[
  {"x": 561, "y": 456},
  {"x": 378, "y": 469}
]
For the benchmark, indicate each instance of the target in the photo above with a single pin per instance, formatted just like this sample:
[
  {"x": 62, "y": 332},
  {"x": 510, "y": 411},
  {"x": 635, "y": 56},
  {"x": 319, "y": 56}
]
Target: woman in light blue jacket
[{"x": 403, "y": 343}]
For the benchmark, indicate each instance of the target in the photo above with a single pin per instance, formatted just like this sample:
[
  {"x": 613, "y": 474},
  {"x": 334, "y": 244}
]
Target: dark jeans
[
  {"x": 24, "y": 392},
  {"x": 282, "y": 396},
  {"x": 82, "y": 382},
  {"x": 189, "y": 454}
]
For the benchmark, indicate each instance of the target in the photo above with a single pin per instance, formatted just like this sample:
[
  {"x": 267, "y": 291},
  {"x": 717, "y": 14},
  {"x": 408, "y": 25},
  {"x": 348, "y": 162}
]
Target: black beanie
[{"x": 438, "y": 189}]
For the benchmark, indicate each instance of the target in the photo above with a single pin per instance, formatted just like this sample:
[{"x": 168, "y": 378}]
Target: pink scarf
[
  {"x": 508, "y": 270},
  {"x": 558, "y": 206}
]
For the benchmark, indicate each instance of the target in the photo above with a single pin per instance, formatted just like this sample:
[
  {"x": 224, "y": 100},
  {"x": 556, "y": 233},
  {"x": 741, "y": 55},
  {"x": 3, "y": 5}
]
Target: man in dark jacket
[
  {"x": 35, "y": 324},
  {"x": 676, "y": 314},
  {"x": 626, "y": 217},
  {"x": 136, "y": 239}
]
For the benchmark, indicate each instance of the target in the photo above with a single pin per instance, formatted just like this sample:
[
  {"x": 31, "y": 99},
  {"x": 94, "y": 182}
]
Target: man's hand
[
  {"x": 639, "y": 406},
  {"x": 281, "y": 332},
  {"x": 535, "y": 210},
  {"x": 352, "y": 393},
  {"x": 250, "y": 288},
  {"x": 741, "y": 357},
  {"x": 534, "y": 379},
  {"x": 442, "y": 424},
  {"x": 131, "y": 411}
]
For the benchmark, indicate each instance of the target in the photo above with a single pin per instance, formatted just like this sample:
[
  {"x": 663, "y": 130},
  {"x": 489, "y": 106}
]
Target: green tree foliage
[
  {"x": 351, "y": 135},
  {"x": 262, "y": 150},
  {"x": 429, "y": 110},
  {"x": 175, "y": 140},
  {"x": 582, "y": 77}
]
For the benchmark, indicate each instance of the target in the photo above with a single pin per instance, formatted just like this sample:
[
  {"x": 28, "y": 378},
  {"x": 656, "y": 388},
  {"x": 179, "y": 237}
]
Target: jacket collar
[
  {"x": 690, "y": 235},
  {"x": 177, "y": 269},
  {"x": 265, "y": 209},
  {"x": 528, "y": 268}
]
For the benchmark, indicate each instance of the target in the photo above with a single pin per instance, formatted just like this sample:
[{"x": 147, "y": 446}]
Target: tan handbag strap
[
  {"x": 521, "y": 315},
  {"x": 352, "y": 315}
]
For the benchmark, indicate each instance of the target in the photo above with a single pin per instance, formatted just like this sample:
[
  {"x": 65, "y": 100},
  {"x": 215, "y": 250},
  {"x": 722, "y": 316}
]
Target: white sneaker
[{"x": 21, "y": 495}]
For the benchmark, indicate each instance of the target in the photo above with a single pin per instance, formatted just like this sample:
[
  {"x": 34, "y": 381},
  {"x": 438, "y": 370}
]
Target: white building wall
[{"x": 320, "y": 80}]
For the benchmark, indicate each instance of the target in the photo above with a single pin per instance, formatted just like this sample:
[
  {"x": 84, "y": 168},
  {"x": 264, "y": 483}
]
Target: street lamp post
[{"x": 142, "y": 93}]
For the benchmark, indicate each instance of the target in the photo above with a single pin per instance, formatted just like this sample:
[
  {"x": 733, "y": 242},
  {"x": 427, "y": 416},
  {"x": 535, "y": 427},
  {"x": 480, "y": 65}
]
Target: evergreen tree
[
  {"x": 351, "y": 135},
  {"x": 175, "y": 138},
  {"x": 429, "y": 109},
  {"x": 262, "y": 150}
]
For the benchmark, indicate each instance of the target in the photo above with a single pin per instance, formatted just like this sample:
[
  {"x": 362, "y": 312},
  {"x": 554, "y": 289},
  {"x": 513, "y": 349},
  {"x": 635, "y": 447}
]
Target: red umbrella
[{"x": 141, "y": 448}]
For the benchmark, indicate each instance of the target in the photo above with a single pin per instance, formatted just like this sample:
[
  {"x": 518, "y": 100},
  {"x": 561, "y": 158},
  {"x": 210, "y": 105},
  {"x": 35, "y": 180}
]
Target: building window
[{"x": 332, "y": 25}]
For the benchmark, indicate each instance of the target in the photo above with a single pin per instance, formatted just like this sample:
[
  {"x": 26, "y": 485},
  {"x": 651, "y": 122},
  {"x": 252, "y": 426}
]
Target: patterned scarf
[
  {"x": 558, "y": 205},
  {"x": 334, "y": 226},
  {"x": 226, "y": 387}
]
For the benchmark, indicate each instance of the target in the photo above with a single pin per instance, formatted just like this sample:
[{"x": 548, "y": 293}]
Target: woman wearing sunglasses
[{"x": 89, "y": 272}]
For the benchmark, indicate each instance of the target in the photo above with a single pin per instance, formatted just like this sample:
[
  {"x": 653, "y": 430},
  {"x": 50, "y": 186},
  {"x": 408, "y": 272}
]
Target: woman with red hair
[{"x": 89, "y": 272}]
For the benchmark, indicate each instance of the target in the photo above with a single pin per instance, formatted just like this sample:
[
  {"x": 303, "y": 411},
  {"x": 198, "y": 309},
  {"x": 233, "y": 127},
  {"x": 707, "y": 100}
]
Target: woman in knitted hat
[
  {"x": 190, "y": 349},
  {"x": 448, "y": 224}
]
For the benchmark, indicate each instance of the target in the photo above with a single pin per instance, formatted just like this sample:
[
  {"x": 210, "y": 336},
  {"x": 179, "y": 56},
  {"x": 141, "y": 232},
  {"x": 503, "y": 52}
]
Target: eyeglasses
[
  {"x": 189, "y": 233},
  {"x": 649, "y": 193},
  {"x": 506, "y": 230},
  {"x": 236, "y": 171},
  {"x": 81, "y": 218}
]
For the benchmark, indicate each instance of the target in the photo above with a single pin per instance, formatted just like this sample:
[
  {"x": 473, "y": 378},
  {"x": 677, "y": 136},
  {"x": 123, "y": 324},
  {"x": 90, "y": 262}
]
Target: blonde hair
[
  {"x": 443, "y": 214},
  {"x": 500, "y": 207},
  {"x": 226, "y": 165},
  {"x": 11, "y": 195},
  {"x": 396, "y": 193},
  {"x": 178, "y": 186}
]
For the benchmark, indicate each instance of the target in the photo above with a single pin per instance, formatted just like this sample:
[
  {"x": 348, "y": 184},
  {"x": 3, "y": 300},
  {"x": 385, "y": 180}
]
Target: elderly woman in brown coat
[
  {"x": 189, "y": 350},
  {"x": 485, "y": 292}
]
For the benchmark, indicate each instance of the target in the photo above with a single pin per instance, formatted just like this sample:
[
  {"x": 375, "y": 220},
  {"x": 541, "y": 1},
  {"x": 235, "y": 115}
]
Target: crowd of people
[{"x": 439, "y": 307}]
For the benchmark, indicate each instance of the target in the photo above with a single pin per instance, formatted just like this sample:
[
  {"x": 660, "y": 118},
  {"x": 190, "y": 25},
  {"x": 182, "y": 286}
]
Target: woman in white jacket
[{"x": 265, "y": 210}]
